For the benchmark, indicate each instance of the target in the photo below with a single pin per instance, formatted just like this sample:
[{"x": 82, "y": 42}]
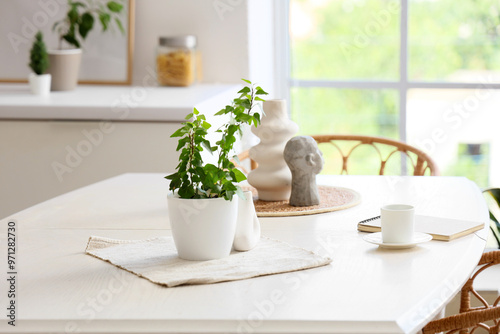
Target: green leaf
[
  {"x": 238, "y": 175},
  {"x": 71, "y": 40},
  {"x": 206, "y": 125},
  {"x": 200, "y": 133},
  {"x": 73, "y": 15},
  {"x": 244, "y": 90},
  {"x": 245, "y": 118},
  {"x": 259, "y": 99},
  {"x": 120, "y": 25},
  {"x": 86, "y": 24},
  {"x": 240, "y": 193},
  {"x": 104, "y": 18},
  {"x": 229, "y": 186},
  {"x": 114, "y": 6},
  {"x": 257, "y": 117},
  {"x": 195, "y": 111},
  {"x": 206, "y": 144},
  {"x": 189, "y": 116},
  {"x": 247, "y": 81},
  {"x": 77, "y": 4},
  {"x": 493, "y": 202},
  {"x": 260, "y": 91},
  {"x": 171, "y": 176},
  {"x": 182, "y": 142},
  {"x": 187, "y": 192},
  {"x": 179, "y": 133}
]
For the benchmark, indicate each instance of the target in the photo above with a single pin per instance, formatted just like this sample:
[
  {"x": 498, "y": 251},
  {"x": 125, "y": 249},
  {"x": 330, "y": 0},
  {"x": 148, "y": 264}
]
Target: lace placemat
[{"x": 156, "y": 260}]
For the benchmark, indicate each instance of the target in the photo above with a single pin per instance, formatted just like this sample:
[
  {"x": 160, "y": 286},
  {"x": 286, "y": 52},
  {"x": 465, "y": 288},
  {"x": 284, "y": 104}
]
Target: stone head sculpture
[{"x": 305, "y": 160}]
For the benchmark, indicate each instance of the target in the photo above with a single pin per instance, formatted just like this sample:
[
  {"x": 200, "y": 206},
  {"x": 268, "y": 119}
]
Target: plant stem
[
  {"x": 251, "y": 100},
  {"x": 191, "y": 157}
]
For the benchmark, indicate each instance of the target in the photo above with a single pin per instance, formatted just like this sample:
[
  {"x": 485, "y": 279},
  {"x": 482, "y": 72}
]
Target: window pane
[
  {"x": 454, "y": 41},
  {"x": 347, "y": 111},
  {"x": 331, "y": 39},
  {"x": 458, "y": 128}
]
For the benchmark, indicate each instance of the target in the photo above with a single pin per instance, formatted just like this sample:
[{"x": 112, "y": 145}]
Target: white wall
[
  {"x": 261, "y": 60},
  {"x": 235, "y": 36}
]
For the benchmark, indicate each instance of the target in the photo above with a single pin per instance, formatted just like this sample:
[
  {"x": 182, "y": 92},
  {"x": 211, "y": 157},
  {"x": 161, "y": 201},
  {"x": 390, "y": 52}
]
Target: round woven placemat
[{"x": 331, "y": 199}]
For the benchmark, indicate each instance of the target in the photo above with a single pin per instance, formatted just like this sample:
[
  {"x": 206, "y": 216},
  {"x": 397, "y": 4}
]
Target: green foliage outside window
[{"x": 360, "y": 40}]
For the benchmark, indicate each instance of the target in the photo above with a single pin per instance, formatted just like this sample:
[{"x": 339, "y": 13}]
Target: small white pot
[
  {"x": 39, "y": 84},
  {"x": 203, "y": 229}
]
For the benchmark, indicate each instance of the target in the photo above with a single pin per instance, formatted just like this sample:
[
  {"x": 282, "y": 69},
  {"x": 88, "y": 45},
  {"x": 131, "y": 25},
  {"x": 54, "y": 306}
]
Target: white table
[{"x": 364, "y": 290}]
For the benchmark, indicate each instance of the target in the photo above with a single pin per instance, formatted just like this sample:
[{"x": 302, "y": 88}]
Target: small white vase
[
  {"x": 248, "y": 226},
  {"x": 272, "y": 178},
  {"x": 203, "y": 229},
  {"x": 39, "y": 84}
]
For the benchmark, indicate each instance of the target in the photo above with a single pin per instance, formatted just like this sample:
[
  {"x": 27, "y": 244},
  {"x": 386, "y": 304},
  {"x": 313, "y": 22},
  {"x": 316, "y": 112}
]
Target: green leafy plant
[
  {"x": 80, "y": 18},
  {"x": 492, "y": 196},
  {"x": 196, "y": 179},
  {"x": 39, "y": 59}
]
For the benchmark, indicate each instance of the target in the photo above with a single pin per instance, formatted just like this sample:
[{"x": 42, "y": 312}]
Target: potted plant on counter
[
  {"x": 202, "y": 205},
  {"x": 73, "y": 29},
  {"x": 39, "y": 62}
]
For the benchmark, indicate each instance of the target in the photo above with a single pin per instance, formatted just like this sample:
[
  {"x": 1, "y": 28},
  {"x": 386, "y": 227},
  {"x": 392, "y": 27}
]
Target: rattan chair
[
  {"x": 385, "y": 149},
  {"x": 470, "y": 319},
  {"x": 243, "y": 156}
]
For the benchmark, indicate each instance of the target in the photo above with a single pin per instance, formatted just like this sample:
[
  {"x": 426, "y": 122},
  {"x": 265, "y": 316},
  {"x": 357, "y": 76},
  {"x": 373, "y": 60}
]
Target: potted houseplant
[
  {"x": 72, "y": 30},
  {"x": 39, "y": 62},
  {"x": 202, "y": 206}
]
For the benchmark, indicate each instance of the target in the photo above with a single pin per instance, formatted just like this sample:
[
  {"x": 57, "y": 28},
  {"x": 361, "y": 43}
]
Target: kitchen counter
[{"x": 114, "y": 103}]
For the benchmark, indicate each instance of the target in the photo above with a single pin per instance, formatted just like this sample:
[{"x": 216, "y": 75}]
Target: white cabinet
[
  {"x": 43, "y": 159},
  {"x": 50, "y": 149}
]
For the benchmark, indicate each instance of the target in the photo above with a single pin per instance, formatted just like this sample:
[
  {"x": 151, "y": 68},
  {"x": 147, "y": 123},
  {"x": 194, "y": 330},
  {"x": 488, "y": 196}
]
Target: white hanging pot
[
  {"x": 39, "y": 84},
  {"x": 203, "y": 229}
]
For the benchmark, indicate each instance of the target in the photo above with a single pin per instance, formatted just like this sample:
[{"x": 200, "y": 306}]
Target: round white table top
[{"x": 366, "y": 289}]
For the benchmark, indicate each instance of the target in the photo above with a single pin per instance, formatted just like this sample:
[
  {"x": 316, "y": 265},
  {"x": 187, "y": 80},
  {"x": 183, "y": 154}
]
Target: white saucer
[{"x": 376, "y": 238}]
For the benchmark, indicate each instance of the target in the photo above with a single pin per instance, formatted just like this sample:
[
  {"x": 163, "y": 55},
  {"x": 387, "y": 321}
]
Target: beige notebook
[{"x": 444, "y": 229}]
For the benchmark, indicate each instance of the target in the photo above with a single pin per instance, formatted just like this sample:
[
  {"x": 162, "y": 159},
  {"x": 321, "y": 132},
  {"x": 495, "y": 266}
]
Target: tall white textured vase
[{"x": 272, "y": 178}]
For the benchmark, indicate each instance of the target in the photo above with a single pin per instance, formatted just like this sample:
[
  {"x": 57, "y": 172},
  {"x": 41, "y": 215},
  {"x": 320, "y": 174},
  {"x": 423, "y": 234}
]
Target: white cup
[{"x": 397, "y": 222}]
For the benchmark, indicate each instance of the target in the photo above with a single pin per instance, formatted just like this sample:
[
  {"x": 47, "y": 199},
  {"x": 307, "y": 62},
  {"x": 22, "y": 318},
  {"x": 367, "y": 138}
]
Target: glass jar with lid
[{"x": 176, "y": 60}]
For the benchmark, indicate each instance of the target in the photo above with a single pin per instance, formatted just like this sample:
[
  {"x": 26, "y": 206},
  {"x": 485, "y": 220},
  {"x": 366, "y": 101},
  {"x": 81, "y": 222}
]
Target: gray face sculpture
[{"x": 305, "y": 160}]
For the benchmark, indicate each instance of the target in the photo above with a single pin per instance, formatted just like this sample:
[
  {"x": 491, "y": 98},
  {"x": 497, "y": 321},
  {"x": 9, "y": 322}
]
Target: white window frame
[{"x": 284, "y": 81}]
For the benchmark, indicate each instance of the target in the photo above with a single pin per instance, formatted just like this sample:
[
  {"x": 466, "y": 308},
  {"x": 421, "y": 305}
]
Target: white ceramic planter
[
  {"x": 39, "y": 84},
  {"x": 203, "y": 229},
  {"x": 64, "y": 67}
]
